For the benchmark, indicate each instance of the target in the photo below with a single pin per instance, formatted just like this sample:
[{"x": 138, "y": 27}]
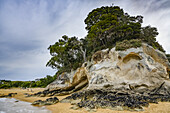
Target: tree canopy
[
  {"x": 66, "y": 54},
  {"x": 107, "y": 27}
]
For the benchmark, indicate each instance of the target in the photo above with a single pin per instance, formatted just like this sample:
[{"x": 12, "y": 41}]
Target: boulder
[
  {"x": 68, "y": 85},
  {"x": 62, "y": 81},
  {"x": 48, "y": 101},
  {"x": 9, "y": 95},
  {"x": 119, "y": 80},
  {"x": 134, "y": 68}
]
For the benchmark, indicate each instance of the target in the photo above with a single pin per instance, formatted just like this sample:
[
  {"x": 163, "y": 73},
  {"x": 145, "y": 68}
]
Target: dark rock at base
[
  {"x": 9, "y": 95},
  {"x": 12, "y": 94},
  {"x": 27, "y": 95},
  {"x": 37, "y": 102},
  {"x": 51, "y": 101},
  {"x": 111, "y": 99},
  {"x": 48, "y": 101},
  {"x": 2, "y": 96}
]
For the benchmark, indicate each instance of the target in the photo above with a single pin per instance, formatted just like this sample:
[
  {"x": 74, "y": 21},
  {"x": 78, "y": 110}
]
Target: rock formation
[
  {"x": 9, "y": 95},
  {"x": 136, "y": 67},
  {"x": 131, "y": 78},
  {"x": 48, "y": 101}
]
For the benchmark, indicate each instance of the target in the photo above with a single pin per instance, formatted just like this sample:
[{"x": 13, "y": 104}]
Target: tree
[
  {"x": 148, "y": 35},
  {"x": 67, "y": 53},
  {"x": 108, "y": 25}
]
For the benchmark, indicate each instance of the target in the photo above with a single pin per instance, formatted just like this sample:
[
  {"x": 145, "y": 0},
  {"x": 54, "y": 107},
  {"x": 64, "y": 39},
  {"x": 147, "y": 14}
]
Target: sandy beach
[{"x": 162, "y": 107}]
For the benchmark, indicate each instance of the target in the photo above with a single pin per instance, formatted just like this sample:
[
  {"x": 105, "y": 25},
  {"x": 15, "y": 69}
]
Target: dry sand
[{"x": 162, "y": 107}]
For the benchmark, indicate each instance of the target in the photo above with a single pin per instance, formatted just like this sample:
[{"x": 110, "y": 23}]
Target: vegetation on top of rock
[
  {"x": 107, "y": 27},
  {"x": 126, "y": 44},
  {"x": 168, "y": 56}
]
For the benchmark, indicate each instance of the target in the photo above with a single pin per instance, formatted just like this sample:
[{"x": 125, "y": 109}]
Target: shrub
[
  {"x": 168, "y": 57},
  {"x": 126, "y": 44}
]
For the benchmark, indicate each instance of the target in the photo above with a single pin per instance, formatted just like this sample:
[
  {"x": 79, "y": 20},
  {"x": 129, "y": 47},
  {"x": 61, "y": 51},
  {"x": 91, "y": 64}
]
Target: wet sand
[{"x": 162, "y": 107}]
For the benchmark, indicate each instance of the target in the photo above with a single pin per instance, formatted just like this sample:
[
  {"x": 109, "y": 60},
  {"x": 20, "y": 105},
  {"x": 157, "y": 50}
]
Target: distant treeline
[{"x": 43, "y": 82}]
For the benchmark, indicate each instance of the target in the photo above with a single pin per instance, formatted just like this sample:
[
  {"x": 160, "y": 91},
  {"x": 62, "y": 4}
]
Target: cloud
[
  {"x": 28, "y": 27},
  {"x": 25, "y": 30}
]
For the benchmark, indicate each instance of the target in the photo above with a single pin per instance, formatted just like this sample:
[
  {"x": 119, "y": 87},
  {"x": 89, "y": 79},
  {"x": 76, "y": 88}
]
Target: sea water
[{"x": 11, "y": 105}]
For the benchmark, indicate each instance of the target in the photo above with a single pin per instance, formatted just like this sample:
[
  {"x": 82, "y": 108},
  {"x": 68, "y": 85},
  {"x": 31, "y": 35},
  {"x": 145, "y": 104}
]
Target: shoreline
[{"x": 161, "y": 107}]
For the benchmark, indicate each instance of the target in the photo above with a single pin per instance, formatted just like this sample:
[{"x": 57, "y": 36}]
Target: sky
[{"x": 28, "y": 27}]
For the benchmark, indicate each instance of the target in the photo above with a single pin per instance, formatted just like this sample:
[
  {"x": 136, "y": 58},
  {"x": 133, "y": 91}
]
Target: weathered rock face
[
  {"x": 116, "y": 79},
  {"x": 136, "y": 67},
  {"x": 66, "y": 83},
  {"x": 62, "y": 81}
]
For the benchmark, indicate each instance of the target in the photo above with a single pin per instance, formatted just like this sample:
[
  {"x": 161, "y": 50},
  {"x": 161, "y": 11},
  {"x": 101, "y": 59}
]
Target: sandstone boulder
[
  {"x": 137, "y": 67},
  {"x": 62, "y": 81},
  {"x": 126, "y": 80}
]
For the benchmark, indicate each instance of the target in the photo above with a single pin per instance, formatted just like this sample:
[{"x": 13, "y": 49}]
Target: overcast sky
[{"x": 28, "y": 27}]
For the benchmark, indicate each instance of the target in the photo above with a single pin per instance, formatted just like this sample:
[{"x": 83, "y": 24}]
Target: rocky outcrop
[
  {"x": 134, "y": 68},
  {"x": 48, "y": 101},
  {"x": 9, "y": 95},
  {"x": 118, "y": 99},
  {"x": 62, "y": 81},
  {"x": 116, "y": 79},
  {"x": 137, "y": 67},
  {"x": 77, "y": 82}
]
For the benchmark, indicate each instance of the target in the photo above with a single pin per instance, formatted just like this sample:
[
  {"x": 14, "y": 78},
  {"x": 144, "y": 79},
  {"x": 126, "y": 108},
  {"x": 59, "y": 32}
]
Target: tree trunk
[{"x": 84, "y": 53}]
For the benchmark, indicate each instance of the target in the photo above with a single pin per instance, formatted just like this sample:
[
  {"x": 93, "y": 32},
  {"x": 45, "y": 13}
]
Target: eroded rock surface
[
  {"x": 62, "y": 81},
  {"x": 138, "y": 67},
  {"x": 116, "y": 79}
]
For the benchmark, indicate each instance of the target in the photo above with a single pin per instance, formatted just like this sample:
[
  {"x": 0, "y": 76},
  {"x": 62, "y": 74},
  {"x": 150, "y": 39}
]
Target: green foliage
[
  {"x": 148, "y": 35},
  {"x": 4, "y": 86},
  {"x": 107, "y": 27},
  {"x": 126, "y": 44},
  {"x": 168, "y": 57},
  {"x": 26, "y": 84},
  {"x": 66, "y": 54},
  {"x": 16, "y": 83},
  {"x": 43, "y": 82}
]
